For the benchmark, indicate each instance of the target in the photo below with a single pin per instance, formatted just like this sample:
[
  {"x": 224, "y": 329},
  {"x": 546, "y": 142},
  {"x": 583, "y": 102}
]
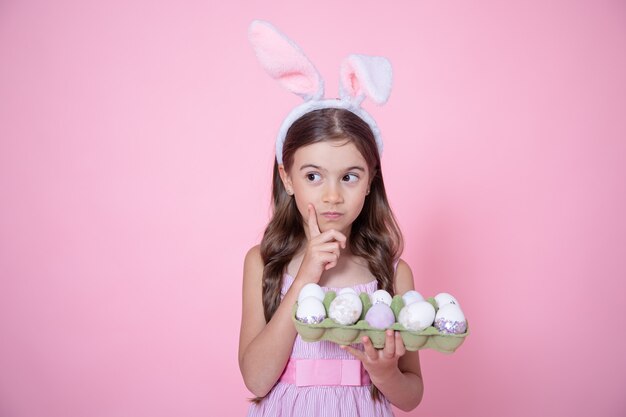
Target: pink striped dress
[{"x": 288, "y": 400}]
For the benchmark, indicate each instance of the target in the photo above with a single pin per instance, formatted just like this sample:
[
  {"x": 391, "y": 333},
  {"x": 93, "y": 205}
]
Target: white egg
[
  {"x": 411, "y": 297},
  {"x": 345, "y": 309},
  {"x": 417, "y": 316},
  {"x": 347, "y": 290},
  {"x": 450, "y": 319},
  {"x": 444, "y": 298},
  {"x": 380, "y": 296},
  {"x": 311, "y": 290},
  {"x": 310, "y": 311}
]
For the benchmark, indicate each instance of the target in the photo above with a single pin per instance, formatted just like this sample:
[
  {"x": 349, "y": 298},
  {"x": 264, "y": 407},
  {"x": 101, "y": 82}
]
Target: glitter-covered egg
[
  {"x": 411, "y": 296},
  {"x": 345, "y": 309},
  {"x": 311, "y": 290},
  {"x": 310, "y": 311},
  {"x": 450, "y": 319},
  {"x": 381, "y": 296},
  {"x": 380, "y": 316},
  {"x": 444, "y": 298},
  {"x": 347, "y": 290},
  {"x": 417, "y": 316}
]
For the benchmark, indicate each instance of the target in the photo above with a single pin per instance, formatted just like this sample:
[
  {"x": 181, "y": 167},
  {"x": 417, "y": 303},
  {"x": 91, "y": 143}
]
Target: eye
[
  {"x": 350, "y": 178},
  {"x": 313, "y": 177}
]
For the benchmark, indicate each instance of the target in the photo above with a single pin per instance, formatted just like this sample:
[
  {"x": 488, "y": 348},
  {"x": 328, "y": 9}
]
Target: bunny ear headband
[{"x": 361, "y": 76}]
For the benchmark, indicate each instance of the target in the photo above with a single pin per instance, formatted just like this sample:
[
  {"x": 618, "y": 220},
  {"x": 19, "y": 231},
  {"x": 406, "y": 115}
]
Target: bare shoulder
[
  {"x": 253, "y": 272},
  {"x": 254, "y": 253},
  {"x": 403, "y": 280},
  {"x": 253, "y": 263}
]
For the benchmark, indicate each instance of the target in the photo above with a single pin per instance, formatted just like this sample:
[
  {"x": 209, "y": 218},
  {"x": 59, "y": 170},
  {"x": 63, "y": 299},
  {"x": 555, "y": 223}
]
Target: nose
[{"x": 332, "y": 193}]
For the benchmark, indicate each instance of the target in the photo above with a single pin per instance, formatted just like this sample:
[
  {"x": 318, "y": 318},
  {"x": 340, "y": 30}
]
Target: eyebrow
[{"x": 352, "y": 168}]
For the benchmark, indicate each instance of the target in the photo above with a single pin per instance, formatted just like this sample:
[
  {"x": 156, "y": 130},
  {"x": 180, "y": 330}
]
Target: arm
[
  {"x": 394, "y": 371},
  {"x": 264, "y": 348},
  {"x": 402, "y": 385}
]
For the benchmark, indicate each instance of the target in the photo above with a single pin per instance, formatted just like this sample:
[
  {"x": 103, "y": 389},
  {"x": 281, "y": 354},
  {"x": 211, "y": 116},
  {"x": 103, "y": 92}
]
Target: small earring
[
  {"x": 367, "y": 192},
  {"x": 290, "y": 191}
]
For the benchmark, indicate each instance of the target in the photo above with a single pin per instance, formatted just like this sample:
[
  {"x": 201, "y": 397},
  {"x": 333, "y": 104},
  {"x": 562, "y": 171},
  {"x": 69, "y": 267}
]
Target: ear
[
  {"x": 363, "y": 76},
  {"x": 284, "y": 176},
  {"x": 284, "y": 61}
]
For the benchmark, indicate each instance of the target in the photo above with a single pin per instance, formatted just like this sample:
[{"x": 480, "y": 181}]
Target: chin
[{"x": 339, "y": 227}]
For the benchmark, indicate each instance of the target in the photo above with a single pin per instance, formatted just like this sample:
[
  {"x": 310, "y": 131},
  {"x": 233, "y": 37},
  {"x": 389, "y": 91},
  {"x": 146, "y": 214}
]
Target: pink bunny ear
[
  {"x": 363, "y": 75},
  {"x": 284, "y": 61}
]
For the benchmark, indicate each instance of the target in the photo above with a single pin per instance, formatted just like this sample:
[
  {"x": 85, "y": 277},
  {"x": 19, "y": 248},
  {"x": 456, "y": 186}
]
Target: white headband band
[{"x": 360, "y": 76}]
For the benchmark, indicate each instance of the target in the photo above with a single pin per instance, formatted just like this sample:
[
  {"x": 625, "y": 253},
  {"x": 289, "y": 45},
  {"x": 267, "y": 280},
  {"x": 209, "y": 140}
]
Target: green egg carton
[{"x": 429, "y": 338}]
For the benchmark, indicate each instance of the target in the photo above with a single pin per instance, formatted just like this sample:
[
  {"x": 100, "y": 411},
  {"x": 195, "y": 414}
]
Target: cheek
[
  {"x": 302, "y": 203},
  {"x": 358, "y": 202},
  {"x": 360, "y": 207}
]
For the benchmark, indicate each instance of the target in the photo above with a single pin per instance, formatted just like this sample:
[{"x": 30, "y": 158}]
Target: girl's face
[{"x": 332, "y": 176}]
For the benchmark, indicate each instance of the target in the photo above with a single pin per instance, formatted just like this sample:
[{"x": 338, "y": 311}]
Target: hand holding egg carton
[{"x": 345, "y": 317}]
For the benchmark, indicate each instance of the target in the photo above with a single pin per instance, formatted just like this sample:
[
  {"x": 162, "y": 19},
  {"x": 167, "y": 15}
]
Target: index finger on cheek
[{"x": 314, "y": 229}]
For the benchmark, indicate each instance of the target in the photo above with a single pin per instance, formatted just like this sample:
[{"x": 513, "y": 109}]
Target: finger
[
  {"x": 369, "y": 349},
  {"x": 400, "y": 348},
  {"x": 328, "y": 260},
  {"x": 329, "y": 265},
  {"x": 390, "y": 347},
  {"x": 354, "y": 352},
  {"x": 330, "y": 247},
  {"x": 333, "y": 235},
  {"x": 327, "y": 257},
  {"x": 340, "y": 237},
  {"x": 314, "y": 229},
  {"x": 337, "y": 236}
]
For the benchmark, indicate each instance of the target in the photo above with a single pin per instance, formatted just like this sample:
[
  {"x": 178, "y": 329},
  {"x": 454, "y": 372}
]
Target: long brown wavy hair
[{"x": 375, "y": 235}]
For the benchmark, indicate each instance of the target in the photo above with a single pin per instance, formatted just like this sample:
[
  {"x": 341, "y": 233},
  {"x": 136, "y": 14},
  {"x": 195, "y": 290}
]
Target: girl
[{"x": 331, "y": 225}]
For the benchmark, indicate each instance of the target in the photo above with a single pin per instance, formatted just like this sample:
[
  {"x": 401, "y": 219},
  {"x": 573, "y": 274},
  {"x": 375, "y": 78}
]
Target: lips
[{"x": 331, "y": 215}]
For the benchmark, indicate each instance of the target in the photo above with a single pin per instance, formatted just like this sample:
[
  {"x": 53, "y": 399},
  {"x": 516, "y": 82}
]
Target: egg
[
  {"x": 345, "y": 309},
  {"x": 444, "y": 298},
  {"x": 380, "y": 316},
  {"x": 417, "y": 316},
  {"x": 411, "y": 297},
  {"x": 347, "y": 290},
  {"x": 381, "y": 296},
  {"x": 450, "y": 319},
  {"x": 311, "y": 290},
  {"x": 310, "y": 311}
]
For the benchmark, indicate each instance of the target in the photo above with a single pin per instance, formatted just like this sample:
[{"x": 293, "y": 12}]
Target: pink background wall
[{"x": 128, "y": 202}]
